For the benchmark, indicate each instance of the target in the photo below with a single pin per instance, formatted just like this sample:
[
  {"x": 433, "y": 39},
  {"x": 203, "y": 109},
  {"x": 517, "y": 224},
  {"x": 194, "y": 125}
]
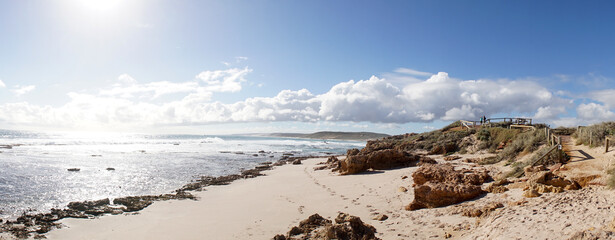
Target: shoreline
[{"x": 35, "y": 225}]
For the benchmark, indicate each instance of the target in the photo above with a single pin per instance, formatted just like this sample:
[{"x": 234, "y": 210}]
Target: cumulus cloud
[
  {"x": 229, "y": 80},
  {"x": 375, "y": 100},
  {"x": 21, "y": 90}
]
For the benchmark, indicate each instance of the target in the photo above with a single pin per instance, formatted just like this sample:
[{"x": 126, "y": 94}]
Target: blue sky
[{"x": 240, "y": 66}]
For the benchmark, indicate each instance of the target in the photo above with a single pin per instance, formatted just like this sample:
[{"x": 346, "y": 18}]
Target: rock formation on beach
[
  {"x": 346, "y": 227},
  {"x": 437, "y": 185}
]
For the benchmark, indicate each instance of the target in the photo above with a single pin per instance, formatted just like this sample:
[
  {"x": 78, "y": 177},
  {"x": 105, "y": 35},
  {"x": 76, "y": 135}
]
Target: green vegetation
[
  {"x": 596, "y": 133},
  {"x": 526, "y": 142},
  {"x": 517, "y": 167}
]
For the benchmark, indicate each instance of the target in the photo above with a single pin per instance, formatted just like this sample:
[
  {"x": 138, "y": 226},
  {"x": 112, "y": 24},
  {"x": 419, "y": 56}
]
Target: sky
[{"x": 228, "y": 67}]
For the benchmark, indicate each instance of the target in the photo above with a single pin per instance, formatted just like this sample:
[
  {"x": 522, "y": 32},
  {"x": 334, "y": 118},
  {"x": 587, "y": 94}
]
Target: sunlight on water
[{"x": 34, "y": 167}]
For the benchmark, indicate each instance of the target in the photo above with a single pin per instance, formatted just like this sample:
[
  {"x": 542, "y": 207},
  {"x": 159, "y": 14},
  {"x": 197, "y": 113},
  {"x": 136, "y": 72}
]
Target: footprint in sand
[{"x": 301, "y": 209}]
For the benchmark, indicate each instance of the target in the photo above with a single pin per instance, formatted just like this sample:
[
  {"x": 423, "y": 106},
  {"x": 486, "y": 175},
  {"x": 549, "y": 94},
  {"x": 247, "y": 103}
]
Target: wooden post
[
  {"x": 606, "y": 145},
  {"x": 590, "y": 139}
]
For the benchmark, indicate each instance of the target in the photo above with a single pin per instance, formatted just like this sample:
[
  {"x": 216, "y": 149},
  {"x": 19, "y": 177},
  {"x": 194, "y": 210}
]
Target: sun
[{"x": 100, "y": 5}]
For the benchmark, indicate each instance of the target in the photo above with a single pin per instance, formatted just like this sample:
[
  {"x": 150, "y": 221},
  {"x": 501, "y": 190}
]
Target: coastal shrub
[
  {"x": 524, "y": 142},
  {"x": 597, "y": 132},
  {"x": 451, "y": 126},
  {"x": 517, "y": 167},
  {"x": 492, "y": 137}
]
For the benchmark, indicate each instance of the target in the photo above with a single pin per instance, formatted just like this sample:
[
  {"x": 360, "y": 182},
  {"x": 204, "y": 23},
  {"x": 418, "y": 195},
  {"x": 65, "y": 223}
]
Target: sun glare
[{"x": 100, "y": 5}]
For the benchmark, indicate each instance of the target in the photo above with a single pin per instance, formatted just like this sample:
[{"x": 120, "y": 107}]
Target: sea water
[{"x": 34, "y": 174}]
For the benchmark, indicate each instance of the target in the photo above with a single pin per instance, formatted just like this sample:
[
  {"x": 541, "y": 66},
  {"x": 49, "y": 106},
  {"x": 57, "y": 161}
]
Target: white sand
[{"x": 262, "y": 207}]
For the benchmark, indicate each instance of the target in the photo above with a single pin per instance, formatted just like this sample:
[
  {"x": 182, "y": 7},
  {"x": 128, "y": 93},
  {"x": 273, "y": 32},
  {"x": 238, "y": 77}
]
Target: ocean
[{"x": 34, "y": 174}]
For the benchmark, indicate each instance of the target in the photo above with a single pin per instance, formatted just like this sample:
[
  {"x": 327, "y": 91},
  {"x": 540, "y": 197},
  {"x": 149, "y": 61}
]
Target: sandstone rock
[
  {"x": 530, "y": 193},
  {"x": 431, "y": 195},
  {"x": 451, "y": 158},
  {"x": 447, "y": 173},
  {"x": 378, "y": 160},
  {"x": 473, "y": 211},
  {"x": 402, "y": 189},
  {"x": 441, "y": 185},
  {"x": 297, "y": 162},
  {"x": 351, "y": 152},
  {"x": 497, "y": 186},
  {"x": 538, "y": 176},
  {"x": 345, "y": 227},
  {"x": 381, "y": 217}
]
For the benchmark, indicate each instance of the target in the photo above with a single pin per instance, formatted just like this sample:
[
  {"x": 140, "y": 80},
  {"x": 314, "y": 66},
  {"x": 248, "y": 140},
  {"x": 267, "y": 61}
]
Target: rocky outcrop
[
  {"x": 540, "y": 180},
  {"x": 438, "y": 185},
  {"x": 346, "y": 227},
  {"x": 357, "y": 162},
  {"x": 332, "y": 163}
]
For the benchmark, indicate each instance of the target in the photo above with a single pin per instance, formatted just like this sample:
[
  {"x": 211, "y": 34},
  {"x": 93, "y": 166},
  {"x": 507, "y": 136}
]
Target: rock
[
  {"x": 530, "y": 193},
  {"x": 88, "y": 205},
  {"x": 539, "y": 176},
  {"x": 431, "y": 195},
  {"x": 255, "y": 155},
  {"x": 378, "y": 160},
  {"x": 381, "y": 217},
  {"x": 497, "y": 186},
  {"x": 451, "y": 158},
  {"x": 345, "y": 227},
  {"x": 447, "y": 173},
  {"x": 297, "y": 162},
  {"x": 74, "y": 169},
  {"x": 353, "y": 151},
  {"x": 110, "y": 169},
  {"x": 441, "y": 185},
  {"x": 473, "y": 211},
  {"x": 404, "y": 177},
  {"x": 402, "y": 189},
  {"x": 279, "y": 237},
  {"x": 133, "y": 203}
]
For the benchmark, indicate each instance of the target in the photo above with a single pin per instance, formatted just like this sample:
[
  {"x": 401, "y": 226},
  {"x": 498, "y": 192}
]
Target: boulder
[
  {"x": 379, "y": 160},
  {"x": 442, "y": 185},
  {"x": 431, "y": 195},
  {"x": 346, "y": 227},
  {"x": 540, "y": 176}
]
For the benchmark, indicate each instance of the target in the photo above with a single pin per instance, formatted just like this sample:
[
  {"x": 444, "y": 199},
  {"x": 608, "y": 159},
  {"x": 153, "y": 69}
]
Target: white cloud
[
  {"x": 2, "y": 85},
  {"x": 413, "y": 72},
  {"x": 606, "y": 96},
  {"x": 229, "y": 80},
  {"x": 21, "y": 90},
  {"x": 126, "y": 79},
  {"x": 593, "y": 113},
  {"x": 241, "y": 59},
  {"x": 376, "y": 100}
]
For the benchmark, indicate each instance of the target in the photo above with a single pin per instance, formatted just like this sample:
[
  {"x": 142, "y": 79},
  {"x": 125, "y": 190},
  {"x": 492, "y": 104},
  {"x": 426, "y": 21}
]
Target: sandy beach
[{"x": 262, "y": 207}]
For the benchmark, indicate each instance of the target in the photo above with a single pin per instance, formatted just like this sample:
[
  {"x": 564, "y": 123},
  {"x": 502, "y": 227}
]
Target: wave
[{"x": 212, "y": 140}]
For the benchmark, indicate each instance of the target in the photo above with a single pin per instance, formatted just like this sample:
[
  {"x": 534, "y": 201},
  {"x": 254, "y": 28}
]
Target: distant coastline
[{"x": 327, "y": 135}]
